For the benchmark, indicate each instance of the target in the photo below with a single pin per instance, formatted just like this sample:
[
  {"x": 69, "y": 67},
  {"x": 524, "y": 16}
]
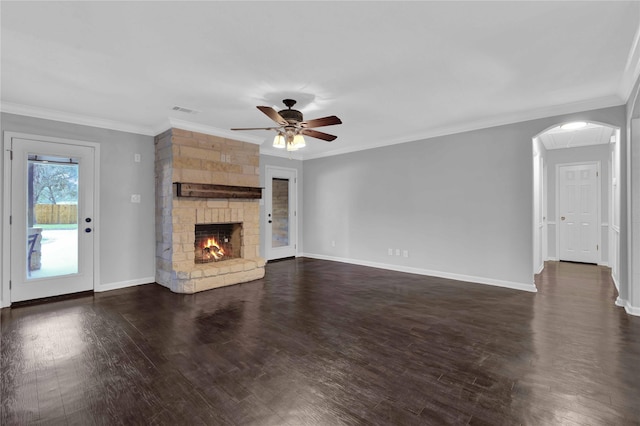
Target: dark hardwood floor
[{"x": 323, "y": 343}]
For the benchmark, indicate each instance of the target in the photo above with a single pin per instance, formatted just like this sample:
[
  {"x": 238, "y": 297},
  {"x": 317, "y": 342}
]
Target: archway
[{"x": 572, "y": 143}]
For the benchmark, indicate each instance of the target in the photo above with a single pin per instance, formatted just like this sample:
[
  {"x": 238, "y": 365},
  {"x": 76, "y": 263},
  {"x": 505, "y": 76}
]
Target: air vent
[{"x": 185, "y": 110}]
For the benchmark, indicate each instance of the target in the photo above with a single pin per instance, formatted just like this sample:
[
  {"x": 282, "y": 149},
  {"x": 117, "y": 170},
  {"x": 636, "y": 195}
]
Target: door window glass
[{"x": 52, "y": 216}]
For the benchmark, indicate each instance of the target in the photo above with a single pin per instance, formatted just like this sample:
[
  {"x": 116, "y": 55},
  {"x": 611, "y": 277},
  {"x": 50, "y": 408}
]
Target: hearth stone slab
[{"x": 190, "y": 278}]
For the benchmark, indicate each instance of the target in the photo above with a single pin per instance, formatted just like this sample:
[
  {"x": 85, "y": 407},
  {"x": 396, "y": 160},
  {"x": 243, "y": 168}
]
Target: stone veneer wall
[{"x": 184, "y": 156}]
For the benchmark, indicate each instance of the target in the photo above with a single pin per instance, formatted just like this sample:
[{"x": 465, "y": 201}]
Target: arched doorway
[{"x": 584, "y": 150}]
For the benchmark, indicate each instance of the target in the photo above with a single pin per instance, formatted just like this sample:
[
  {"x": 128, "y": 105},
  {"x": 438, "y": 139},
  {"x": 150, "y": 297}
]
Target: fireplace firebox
[{"x": 216, "y": 242}]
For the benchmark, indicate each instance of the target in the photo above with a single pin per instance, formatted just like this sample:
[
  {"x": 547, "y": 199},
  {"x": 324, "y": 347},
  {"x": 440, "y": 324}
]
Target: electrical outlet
[
  {"x": 390, "y": 252},
  {"x": 405, "y": 253},
  {"x": 333, "y": 243},
  {"x": 136, "y": 158},
  {"x": 397, "y": 252}
]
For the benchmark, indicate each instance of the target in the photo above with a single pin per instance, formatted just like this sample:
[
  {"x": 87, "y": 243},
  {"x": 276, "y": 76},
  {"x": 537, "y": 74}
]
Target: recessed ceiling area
[
  {"x": 392, "y": 73},
  {"x": 590, "y": 134}
]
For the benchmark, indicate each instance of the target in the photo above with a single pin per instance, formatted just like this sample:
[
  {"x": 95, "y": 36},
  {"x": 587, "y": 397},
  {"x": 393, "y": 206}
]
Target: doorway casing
[
  {"x": 613, "y": 202},
  {"x": 290, "y": 249},
  {"x": 8, "y": 137}
]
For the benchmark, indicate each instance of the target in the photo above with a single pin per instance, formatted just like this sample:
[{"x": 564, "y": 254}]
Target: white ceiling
[{"x": 392, "y": 71}]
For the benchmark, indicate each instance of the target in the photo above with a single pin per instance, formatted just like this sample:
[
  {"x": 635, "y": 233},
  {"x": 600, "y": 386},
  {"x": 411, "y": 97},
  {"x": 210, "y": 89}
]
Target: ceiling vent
[{"x": 185, "y": 110}]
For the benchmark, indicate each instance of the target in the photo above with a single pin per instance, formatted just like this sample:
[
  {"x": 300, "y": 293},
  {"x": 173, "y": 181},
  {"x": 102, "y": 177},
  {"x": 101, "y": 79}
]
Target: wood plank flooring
[{"x": 323, "y": 343}]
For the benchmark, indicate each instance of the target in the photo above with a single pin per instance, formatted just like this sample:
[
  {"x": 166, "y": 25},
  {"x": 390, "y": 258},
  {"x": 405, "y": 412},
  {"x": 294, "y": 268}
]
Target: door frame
[
  {"x": 598, "y": 205},
  {"x": 268, "y": 173},
  {"x": 5, "y": 295}
]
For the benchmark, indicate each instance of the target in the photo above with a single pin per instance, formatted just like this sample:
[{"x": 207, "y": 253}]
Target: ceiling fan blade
[
  {"x": 257, "y": 128},
  {"x": 320, "y": 122},
  {"x": 273, "y": 114},
  {"x": 318, "y": 135}
]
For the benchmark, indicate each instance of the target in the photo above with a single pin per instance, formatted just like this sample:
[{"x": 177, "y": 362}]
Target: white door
[
  {"x": 578, "y": 213},
  {"x": 280, "y": 212},
  {"x": 52, "y": 219}
]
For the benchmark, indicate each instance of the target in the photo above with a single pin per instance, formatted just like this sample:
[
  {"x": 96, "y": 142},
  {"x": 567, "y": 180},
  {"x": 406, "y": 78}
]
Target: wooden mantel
[{"x": 204, "y": 190}]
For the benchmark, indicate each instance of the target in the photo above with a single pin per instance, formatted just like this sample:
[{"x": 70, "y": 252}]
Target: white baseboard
[
  {"x": 631, "y": 310},
  {"x": 540, "y": 269},
  {"x": 124, "y": 284},
  {"x": 615, "y": 282},
  {"x": 419, "y": 271}
]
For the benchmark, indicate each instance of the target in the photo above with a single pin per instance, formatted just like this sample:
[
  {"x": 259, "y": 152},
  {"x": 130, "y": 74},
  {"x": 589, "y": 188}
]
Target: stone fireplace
[{"x": 207, "y": 213}]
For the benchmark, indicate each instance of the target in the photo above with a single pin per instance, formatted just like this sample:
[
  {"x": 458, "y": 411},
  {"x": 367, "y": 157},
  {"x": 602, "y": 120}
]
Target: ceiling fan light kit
[{"x": 292, "y": 127}]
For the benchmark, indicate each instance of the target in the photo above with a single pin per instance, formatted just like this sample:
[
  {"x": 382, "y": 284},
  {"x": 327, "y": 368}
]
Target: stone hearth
[{"x": 184, "y": 156}]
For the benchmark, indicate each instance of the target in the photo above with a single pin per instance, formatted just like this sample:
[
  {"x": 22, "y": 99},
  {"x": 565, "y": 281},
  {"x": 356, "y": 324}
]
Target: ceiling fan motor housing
[{"x": 291, "y": 115}]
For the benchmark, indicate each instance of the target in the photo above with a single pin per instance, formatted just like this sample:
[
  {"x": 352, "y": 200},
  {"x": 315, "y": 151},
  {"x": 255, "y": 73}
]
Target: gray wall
[
  {"x": 599, "y": 153},
  {"x": 126, "y": 230},
  {"x": 289, "y": 164},
  {"x": 460, "y": 204}
]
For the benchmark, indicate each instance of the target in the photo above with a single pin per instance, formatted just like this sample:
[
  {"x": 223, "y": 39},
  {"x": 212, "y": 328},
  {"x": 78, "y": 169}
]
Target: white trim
[
  {"x": 124, "y": 284},
  {"x": 67, "y": 117},
  {"x": 468, "y": 126},
  {"x": 6, "y": 230},
  {"x": 420, "y": 271},
  {"x": 632, "y": 310},
  {"x": 273, "y": 172},
  {"x": 267, "y": 149},
  {"x": 553, "y": 259},
  {"x": 598, "y": 201},
  {"x": 501, "y": 120},
  {"x": 541, "y": 268},
  {"x": 631, "y": 243}
]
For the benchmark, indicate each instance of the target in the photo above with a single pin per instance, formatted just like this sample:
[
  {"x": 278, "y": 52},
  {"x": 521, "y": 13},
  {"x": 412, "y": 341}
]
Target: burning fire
[{"x": 212, "y": 250}]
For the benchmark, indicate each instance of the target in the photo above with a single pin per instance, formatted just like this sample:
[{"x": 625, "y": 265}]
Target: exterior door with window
[
  {"x": 280, "y": 212},
  {"x": 52, "y": 218}
]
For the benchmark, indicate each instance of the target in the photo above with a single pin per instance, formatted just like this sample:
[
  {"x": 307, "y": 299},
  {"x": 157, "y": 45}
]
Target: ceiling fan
[{"x": 291, "y": 126}]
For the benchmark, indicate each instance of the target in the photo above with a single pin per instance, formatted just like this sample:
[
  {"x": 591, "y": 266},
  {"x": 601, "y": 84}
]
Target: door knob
[
  {"x": 561, "y": 217},
  {"x": 87, "y": 230}
]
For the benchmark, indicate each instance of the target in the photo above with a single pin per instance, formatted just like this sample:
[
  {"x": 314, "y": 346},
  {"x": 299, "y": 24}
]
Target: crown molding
[
  {"x": 266, "y": 149},
  {"x": 67, "y": 117},
  {"x": 282, "y": 153},
  {"x": 505, "y": 119}
]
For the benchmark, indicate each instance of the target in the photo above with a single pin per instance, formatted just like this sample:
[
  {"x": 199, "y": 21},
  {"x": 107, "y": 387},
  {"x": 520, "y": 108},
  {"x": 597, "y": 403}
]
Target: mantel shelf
[{"x": 204, "y": 190}]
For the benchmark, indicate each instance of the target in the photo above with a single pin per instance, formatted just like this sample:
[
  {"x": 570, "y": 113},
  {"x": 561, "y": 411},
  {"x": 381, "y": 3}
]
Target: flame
[{"x": 211, "y": 249}]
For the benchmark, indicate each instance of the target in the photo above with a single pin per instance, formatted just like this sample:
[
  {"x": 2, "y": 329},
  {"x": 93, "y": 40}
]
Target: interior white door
[
  {"x": 578, "y": 213},
  {"x": 52, "y": 219},
  {"x": 280, "y": 212}
]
